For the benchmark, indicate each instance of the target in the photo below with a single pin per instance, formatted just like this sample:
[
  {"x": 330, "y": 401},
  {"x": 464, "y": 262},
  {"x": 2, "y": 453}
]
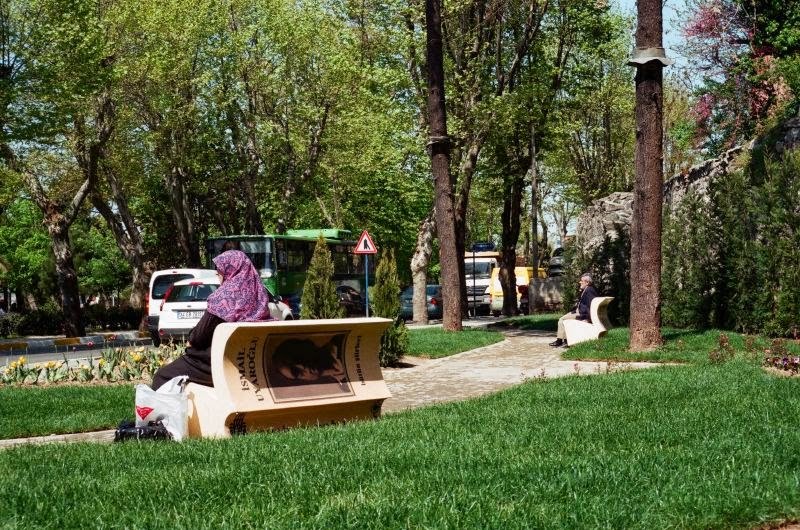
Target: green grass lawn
[
  {"x": 435, "y": 342},
  {"x": 697, "y": 446}
]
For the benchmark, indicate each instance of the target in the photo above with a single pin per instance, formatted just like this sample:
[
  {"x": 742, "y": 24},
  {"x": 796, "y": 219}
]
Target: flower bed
[{"x": 113, "y": 365}]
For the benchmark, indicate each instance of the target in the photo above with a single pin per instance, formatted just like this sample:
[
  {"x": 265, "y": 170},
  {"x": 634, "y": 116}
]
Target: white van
[{"x": 160, "y": 281}]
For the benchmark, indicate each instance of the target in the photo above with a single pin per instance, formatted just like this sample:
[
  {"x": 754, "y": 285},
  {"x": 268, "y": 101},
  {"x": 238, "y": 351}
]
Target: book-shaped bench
[
  {"x": 581, "y": 331},
  {"x": 280, "y": 374}
]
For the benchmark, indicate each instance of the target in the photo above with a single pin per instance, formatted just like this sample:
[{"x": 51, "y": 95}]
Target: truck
[{"x": 478, "y": 267}]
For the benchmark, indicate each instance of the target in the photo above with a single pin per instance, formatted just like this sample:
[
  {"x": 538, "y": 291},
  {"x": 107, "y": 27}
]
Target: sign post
[{"x": 366, "y": 247}]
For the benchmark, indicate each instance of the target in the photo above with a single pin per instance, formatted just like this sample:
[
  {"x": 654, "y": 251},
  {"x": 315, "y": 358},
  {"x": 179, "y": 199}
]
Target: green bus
[{"x": 283, "y": 259}]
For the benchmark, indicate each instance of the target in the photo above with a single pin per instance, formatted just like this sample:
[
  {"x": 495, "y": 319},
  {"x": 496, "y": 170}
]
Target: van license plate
[{"x": 190, "y": 314}]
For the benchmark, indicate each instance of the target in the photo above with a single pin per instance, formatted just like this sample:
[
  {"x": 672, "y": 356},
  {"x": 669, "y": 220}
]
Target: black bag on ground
[{"x": 154, "y": 430}]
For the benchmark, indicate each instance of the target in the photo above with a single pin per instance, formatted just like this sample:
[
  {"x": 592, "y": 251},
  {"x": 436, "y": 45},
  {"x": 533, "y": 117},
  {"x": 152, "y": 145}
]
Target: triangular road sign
[{"x": 365, "y": 244}]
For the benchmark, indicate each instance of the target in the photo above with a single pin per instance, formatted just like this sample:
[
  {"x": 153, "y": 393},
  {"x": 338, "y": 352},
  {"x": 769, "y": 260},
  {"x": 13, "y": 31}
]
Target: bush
[
  {"x": 319, "y": 298},
  {"x": 386, "y": 304},
  {"x": 690, "y": 273},
  {"x": 47, "y": 320},
  {"x": 111, "y": 318},
  {"x": 10, "y": 324}
]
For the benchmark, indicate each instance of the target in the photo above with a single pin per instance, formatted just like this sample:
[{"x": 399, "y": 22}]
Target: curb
[{"x": 69, "y": 344}]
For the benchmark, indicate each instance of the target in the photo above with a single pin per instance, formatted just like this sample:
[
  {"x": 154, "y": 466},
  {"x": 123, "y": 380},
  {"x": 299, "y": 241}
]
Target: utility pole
[
  {"x": 649, "y": 59},
  {"x": 439, "y": 149}
]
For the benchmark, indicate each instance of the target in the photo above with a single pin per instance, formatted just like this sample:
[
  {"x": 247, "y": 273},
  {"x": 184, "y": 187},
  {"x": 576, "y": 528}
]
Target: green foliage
[
  {"x": 10, "y": 324},
  {"x": 47, "y": 319},
  {"x": 385, "y": 295},
  {"x": 100, "y": 265},
  {"x": 386, "y": 304},
  {"x": 691, "y": 270},
  {"x": 319, "y": 298},
  {"x": 732, "y": 262},
  {"x": 27, "y": 256}
]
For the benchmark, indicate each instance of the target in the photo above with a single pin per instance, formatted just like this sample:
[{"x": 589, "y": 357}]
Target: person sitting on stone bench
[
  {"x": 581, "y": 311},
  {"x": 241, "y": 297}
]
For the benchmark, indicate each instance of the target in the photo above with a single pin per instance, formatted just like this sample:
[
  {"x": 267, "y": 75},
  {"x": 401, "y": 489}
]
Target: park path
[
  {"x": 522, "y": 355},
  {"x": 423, "y": 382}
]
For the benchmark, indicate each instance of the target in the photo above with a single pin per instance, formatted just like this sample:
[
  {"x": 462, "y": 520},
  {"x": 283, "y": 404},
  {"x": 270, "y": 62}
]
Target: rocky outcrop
[{"x": 609, "y": 218}]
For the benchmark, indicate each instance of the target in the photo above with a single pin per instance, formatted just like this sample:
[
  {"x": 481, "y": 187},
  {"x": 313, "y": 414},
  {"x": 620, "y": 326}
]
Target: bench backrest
[{"x": 599, "y": 311}]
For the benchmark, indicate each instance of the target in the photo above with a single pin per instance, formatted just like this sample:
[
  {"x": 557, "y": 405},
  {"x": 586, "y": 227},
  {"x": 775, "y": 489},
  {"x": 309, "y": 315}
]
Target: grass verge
[
  {"x": 680, "y": 345},
  {"x": 670, "y": 447},
  {"x": 435, "y": 342},
  {"x": 41, "y": 410}
]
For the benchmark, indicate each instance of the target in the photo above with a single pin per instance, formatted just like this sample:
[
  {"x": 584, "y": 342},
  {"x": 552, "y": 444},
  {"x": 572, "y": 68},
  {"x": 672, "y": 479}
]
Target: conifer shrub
[
  {"x": 319, "y": 298},
  {"x": 691, "y": 272},
  {"x": 386, "y": 304}
]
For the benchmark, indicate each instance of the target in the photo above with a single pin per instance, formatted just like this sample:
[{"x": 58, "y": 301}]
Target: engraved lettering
[
  {"x": 357, "y": 356},
  {"x": 240, "y": 365},
  {"x": 251, "y": 367}
]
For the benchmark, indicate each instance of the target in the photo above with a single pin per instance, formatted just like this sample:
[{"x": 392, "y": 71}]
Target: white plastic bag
[{"x": 169, "y": 404}]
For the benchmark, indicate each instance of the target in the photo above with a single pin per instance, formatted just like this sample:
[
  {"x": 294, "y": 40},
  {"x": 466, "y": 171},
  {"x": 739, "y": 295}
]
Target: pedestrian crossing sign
[{"x": 365, "y": 244}]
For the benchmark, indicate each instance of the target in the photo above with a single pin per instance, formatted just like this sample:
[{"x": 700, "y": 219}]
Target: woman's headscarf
[{"x": 241, "y": 297}]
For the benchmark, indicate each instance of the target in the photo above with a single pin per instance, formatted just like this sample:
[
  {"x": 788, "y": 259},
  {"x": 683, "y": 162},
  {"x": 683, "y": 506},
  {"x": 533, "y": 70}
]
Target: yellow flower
[
  {"x": 85, "y": 367},
  {"x": 21, "y": 361},
  {"x": 51, "y": 365},
  {"x": 136, "y": 357},
  {"x": 102, "y": 362}
]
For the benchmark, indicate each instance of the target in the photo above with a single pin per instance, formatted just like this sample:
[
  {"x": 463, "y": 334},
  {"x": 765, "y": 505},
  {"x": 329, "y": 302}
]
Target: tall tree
[
  {"x": 645, "y": 308},
  {"x": 439, "y": 145},
  {"x": 61, "y": 69}
]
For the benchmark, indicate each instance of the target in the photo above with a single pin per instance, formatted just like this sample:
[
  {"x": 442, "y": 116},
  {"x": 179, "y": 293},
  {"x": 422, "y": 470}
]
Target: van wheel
[
  {"x": 156, "y": 339},
  {"x": 496, "y": 313}
]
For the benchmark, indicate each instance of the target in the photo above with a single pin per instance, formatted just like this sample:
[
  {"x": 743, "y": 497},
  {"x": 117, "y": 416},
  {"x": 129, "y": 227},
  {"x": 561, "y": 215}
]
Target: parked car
[
  {"x": 186, "y": 301},
  {"x": 160, "y": 282},
  {"x": 433, "y": 302},
  {"x": 351, "y": 300}
]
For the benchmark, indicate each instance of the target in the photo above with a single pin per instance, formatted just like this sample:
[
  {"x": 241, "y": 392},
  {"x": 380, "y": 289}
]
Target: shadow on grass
[{"x": 539, "y": 322}]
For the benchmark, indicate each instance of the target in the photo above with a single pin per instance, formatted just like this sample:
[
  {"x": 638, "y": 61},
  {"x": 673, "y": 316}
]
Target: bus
[{"x": 282, "y": 260}]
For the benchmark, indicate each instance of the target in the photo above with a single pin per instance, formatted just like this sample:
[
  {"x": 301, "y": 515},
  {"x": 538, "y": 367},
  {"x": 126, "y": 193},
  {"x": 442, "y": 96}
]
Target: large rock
[{"x": 609, "y": 218}]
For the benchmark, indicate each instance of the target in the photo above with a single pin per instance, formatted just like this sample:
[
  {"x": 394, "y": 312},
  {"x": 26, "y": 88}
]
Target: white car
[
  {"x": 186, "y": 301},
  {"x": 160, "y": 282}
]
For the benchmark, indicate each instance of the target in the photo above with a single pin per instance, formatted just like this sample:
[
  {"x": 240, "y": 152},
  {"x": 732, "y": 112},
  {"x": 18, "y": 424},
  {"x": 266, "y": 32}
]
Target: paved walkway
[{"x": 522, "y": 355}]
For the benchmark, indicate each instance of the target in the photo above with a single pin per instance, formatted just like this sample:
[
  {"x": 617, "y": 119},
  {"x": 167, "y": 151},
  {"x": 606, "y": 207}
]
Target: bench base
[
  {"x": 578, "y": 331},
  {"x": 219, "y": 421}
]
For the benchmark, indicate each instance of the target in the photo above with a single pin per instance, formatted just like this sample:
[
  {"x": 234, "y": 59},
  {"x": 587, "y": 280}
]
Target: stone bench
[
  {"x": 578, "y": 331},
  {"x": 280, "y": 374}
]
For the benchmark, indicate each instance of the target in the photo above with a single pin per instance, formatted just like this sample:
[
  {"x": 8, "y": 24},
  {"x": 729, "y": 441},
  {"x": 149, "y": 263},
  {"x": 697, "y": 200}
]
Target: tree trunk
[
  {"x": 512, "y": 209},
  {"x": 58, "y": 228},
  {"x": 645, "y": 306},
  {"x": 419, "y": 265},
  {"x": 534, "y": 242},
  {"x": 440, "y": 165}
]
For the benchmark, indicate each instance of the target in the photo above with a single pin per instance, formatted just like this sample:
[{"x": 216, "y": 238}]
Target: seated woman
[{"x": 241, "y": 297}]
